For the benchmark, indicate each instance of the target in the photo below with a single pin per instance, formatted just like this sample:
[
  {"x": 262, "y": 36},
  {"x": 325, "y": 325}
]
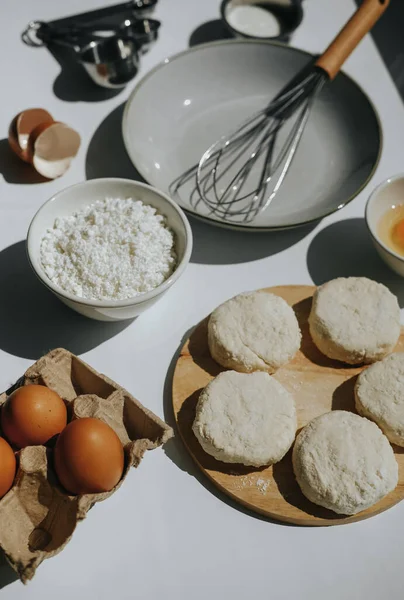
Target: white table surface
[{"x": 166, "y": 532}]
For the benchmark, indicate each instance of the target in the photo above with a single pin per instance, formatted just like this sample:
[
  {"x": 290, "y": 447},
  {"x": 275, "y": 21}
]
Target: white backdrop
[{"x": 166, "y": 531}]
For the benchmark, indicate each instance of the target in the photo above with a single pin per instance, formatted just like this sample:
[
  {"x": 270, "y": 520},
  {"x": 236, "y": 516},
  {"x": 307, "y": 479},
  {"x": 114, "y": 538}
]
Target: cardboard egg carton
[{"x": 37, "y": 516}]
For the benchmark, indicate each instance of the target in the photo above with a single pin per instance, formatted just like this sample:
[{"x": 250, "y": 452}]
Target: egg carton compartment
[{"x": 37, "y": 516}]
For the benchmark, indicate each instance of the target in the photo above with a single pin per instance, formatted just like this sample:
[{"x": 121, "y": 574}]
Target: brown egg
[
  {"x": 32, "y": 415},
  {"x": 89, "y": 457},
  {"x": 21, "y": 128},
  {"x": 7, "y": 467}
]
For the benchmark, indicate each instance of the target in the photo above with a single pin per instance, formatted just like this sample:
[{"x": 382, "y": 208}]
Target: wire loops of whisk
[{"x": 227, "y": 167}]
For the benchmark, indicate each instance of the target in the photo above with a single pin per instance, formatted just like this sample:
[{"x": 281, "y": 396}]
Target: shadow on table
[
  {"x": 175, "y": 449},
  {"x": 211, "y": 31},
  {"x": 387, "y": 34},
  {"x": 218, "y": 246},
  {"x": 33, "y": 321},
  {"x": 106, "y": 154},
  {"x": 15, "y": 170},
  {"x": 7, "y": 574},
  {"x": 345, "y": 249}
]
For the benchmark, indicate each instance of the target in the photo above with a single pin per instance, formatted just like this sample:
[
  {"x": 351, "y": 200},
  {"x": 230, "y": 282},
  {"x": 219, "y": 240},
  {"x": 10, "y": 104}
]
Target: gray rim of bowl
[
  {"x": 371, "y": 229},
  {"x": 237, "y": 226},
  {"x": 134, "y": 299}
]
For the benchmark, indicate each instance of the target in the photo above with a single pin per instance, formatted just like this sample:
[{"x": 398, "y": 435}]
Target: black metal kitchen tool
[{"x": 106, "y": 42}]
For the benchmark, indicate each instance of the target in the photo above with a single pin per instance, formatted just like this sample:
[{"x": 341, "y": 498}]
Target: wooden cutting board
[{"x": 318, "y": 385}]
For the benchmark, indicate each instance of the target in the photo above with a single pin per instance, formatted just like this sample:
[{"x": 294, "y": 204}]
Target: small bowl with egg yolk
[{"x": 385, "y": 220}]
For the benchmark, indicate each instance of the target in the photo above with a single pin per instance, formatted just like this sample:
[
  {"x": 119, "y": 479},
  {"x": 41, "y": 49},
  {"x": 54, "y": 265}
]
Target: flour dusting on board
[
  {"x": 249, "y": 481},
  {"x": 262, "y": 485}
]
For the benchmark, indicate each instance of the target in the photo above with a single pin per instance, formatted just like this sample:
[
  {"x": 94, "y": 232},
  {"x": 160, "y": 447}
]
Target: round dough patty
[
  {"x": 253, "y": 331},
  {"x": 245, "y": 418},
  {"x": 344, "y": 462},
  {"x": 379, "y": 396},
  {"x": 354, "y": 320}
]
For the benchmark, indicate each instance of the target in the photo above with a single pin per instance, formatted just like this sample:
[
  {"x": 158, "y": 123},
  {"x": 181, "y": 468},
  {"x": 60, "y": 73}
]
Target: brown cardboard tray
[{"x": 37, "y": 516}]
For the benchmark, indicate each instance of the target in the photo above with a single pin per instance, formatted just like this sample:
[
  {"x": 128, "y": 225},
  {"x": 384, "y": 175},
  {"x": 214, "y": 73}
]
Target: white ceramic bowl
[
  {"x": 388, "y": 194},
  {"x": 73, "y": 198}
]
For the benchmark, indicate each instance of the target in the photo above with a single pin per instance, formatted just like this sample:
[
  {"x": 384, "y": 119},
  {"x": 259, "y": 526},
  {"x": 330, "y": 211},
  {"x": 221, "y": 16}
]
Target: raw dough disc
[
  {"x": 354, "y": 320},
  {"x": 379, "y": 396},
  {"x": 253, "y": 331},
  {"x": 245, "y": 418},
  {"x": 344, "y": 462}
]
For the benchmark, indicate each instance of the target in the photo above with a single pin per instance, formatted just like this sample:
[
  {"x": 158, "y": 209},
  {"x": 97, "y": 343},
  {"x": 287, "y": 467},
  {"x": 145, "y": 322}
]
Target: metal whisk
[{"x": 240, "y": 174}]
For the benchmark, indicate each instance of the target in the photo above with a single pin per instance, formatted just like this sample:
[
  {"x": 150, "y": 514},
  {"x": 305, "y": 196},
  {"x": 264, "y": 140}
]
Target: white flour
[{"x": 111, "y": 250}]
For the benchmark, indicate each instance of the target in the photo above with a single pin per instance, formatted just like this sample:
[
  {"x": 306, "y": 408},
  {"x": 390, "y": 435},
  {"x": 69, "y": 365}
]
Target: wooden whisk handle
[{"x": 349, "y": 37}]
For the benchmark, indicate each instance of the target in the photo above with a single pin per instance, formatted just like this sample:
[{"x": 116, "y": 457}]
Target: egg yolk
[
  {"x": 398, "y": 234},
  {"x": 391, "y": 228}
]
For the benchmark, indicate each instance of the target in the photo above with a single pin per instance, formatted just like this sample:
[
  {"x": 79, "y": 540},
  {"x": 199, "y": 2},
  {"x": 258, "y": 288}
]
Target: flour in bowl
[{"x": 113, "y": 249}]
